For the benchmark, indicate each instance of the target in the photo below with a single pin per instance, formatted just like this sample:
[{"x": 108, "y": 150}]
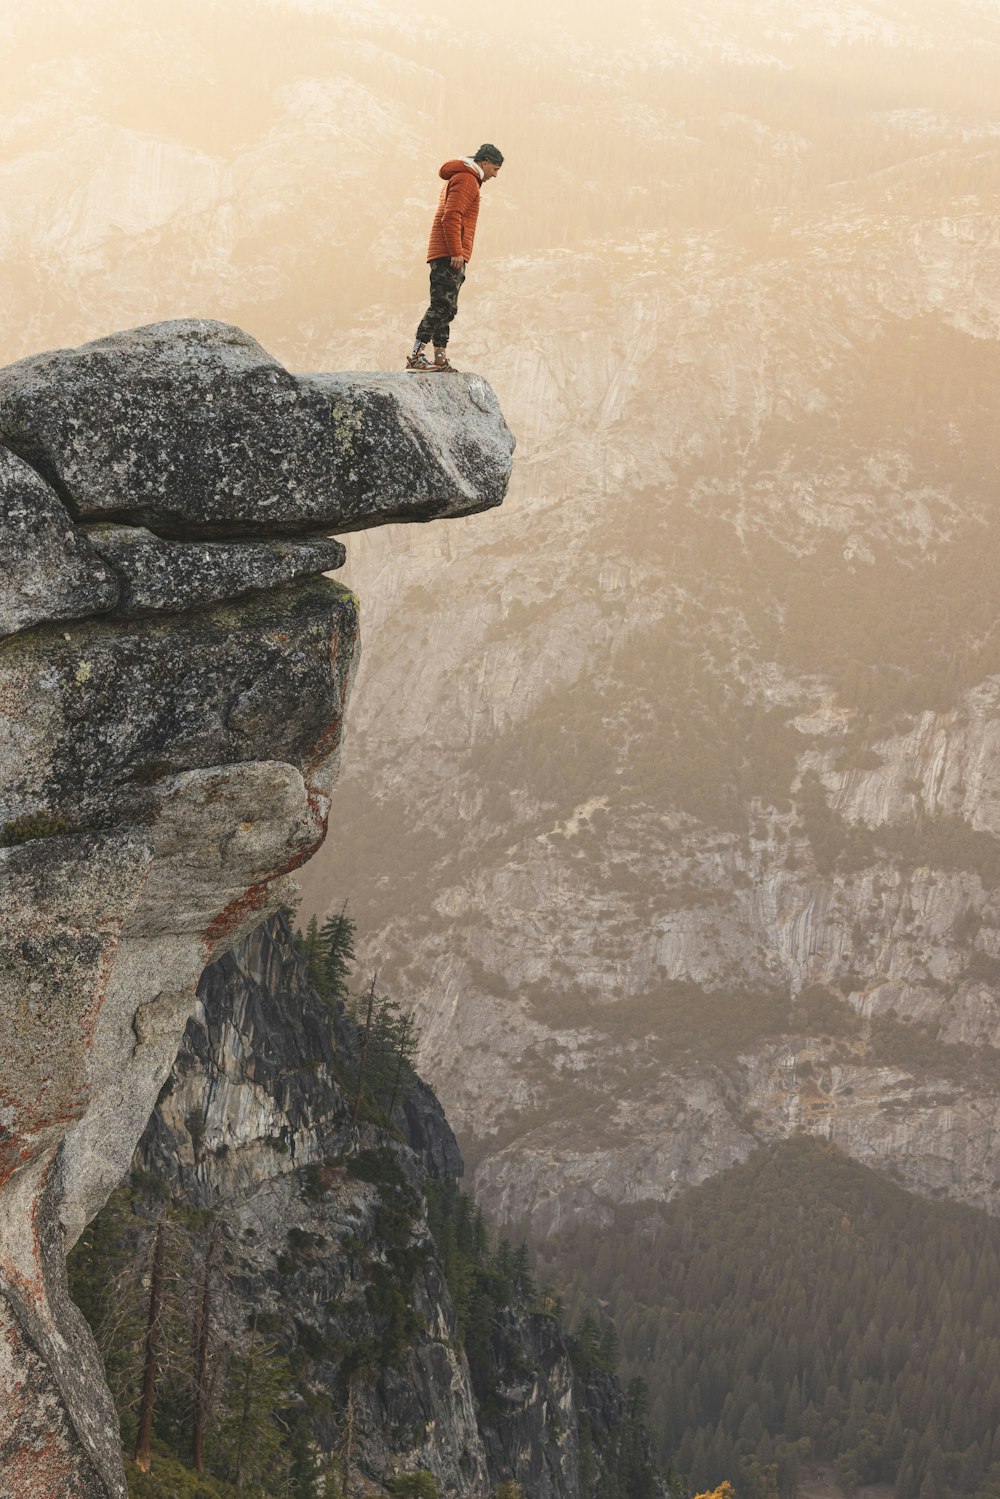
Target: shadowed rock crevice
[
  {"x": 159, "y": 576},
  {"x": 173, "y": 696}
]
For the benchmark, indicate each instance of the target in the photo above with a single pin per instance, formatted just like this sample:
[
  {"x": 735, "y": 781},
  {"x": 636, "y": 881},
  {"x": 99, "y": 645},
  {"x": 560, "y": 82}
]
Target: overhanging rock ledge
[
  {"x": 191, "y": 428},
  {"x": 172, "y": 702}
]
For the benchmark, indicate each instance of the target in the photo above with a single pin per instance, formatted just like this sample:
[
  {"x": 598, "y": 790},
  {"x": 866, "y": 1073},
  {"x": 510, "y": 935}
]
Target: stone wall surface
[
  {"x": 48, "y": 569},
  {"x": 174, "y": 674}
]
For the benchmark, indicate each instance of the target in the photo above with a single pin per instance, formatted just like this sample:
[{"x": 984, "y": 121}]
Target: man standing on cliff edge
[{"x": 449, "y": 251}]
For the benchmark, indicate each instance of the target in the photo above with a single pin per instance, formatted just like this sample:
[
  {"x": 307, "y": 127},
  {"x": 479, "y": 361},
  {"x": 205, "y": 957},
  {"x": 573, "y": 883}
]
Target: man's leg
[
  {"x": 435, "y": 325},
  {"x": 437, "y": 315},
  {"x": 450, "y": 298}
]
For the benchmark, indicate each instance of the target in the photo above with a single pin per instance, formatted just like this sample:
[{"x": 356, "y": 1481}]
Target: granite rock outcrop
[
  {"x": 191, "y": 428},
  {"x": 173, "y": 707},
  {"x": 49, "y": 569},
  {"x": 315, "y": 1248}
]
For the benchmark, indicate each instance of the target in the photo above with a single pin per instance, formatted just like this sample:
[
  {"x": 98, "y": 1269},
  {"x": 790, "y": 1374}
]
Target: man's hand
[{"x": 457, "y": 263}]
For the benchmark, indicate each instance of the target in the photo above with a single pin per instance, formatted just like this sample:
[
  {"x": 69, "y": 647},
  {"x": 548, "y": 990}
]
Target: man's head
[{"x": 489, "y": 160}]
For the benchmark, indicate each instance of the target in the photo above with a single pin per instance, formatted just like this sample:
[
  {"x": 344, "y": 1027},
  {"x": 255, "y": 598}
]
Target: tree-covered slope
[{"x": 800, "y": 1308}]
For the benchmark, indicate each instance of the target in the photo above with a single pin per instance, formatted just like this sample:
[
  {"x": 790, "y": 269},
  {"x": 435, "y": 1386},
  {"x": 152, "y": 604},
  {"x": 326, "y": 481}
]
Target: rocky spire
[{"x": 174, "y": 673}]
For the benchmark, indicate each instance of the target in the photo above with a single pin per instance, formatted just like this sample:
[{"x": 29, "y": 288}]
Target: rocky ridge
[
  {"x": 166, "y": 759},
  {"x": 306, "y": 1203}
]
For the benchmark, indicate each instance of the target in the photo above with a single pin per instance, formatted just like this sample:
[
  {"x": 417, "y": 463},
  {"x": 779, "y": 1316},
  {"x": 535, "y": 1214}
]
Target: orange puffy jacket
[{"x": 454, "y": 227}]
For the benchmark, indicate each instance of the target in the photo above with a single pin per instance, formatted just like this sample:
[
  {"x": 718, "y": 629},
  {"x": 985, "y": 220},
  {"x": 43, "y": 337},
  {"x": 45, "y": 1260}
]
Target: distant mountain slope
[{"x": 720, "y": 714}]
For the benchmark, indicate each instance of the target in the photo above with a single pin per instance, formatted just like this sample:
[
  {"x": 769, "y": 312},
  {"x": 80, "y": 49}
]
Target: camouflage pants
[{"x": 446, "y": 283}]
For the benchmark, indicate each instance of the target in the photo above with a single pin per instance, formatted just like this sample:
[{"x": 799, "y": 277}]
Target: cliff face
[
  {"x": 256, "y": 1067},
  {"x": 173, "y": 708},
  {"x": 311, "y": 1240}
]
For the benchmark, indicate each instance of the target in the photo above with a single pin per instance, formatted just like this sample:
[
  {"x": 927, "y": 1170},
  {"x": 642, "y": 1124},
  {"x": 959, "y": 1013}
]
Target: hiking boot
[
  {"x": 420, "y": 363},
  {"x": 441, "y": 365}
]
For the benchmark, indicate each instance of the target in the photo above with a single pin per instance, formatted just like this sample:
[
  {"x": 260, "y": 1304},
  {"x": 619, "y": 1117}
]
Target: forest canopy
[{"x": 802, "y": 1307}]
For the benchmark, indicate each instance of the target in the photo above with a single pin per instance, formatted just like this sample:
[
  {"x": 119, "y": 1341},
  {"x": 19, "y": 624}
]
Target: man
[{"x": 449, "y": 252}]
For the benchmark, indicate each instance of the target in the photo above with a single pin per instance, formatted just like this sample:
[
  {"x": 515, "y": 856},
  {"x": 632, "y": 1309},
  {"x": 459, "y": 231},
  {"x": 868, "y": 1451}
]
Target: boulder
[
  {"x": 48, "y": 570},
  {"x": 192, "y": 429},
  {"x": 157, "y": 576},
  {"x": 96, "y": 714}
]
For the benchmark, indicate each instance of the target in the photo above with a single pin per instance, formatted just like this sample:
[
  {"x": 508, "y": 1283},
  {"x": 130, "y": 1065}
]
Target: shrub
[
  {"x": 416, "y": 1485},
  {"x": 821, "y": 1012},
  {"x": 33, "y": 825}
]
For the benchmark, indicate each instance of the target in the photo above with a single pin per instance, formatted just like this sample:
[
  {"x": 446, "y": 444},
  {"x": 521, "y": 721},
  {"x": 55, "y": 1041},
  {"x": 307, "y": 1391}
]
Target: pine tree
[
  {"x": 402, "y": 1039},
  {"x": 792, "y": 1421},
  {"x": 480, "y": 1238},
  {"x": 310, "y": 946},
  {"x": 305, "y": 1474},
  {"x": 520, "y": 1271},
  {"x": 337, "y": 955},
  {"x": 363, "y": 1064},
  {"x": 587, "y": 1339},
  {"x": 249, "y": 1437},
  {"x": 151, "y": 1359},
  {"x": 608, "y": 1351}
]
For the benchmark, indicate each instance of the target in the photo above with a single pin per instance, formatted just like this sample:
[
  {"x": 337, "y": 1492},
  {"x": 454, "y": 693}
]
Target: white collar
[{"x": 475, "y": 166}]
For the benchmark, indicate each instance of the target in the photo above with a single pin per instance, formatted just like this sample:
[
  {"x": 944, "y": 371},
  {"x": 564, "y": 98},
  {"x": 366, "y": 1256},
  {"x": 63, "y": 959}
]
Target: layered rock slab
[
  {"x": 94, "y": 715},
  {"x": 48, "y": 570},
  {"x": 191, "y": 428},
  {"x": 166, "y": 577}
]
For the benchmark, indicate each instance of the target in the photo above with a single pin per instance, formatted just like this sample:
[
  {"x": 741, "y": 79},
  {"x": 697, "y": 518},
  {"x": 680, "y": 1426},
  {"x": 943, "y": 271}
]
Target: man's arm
[{"x": 459, "y": 198}]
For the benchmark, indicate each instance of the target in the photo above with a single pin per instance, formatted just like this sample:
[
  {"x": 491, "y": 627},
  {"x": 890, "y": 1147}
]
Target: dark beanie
[{"x": 489, "y": 153}]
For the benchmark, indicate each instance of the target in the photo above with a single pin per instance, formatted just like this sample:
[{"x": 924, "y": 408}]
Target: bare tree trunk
[
  {"x": 202, "y": 1327},
  {"x": 150, "y": 1372},
  {"x": 247, "y": 1401},
  {"x": 350, "y": 1433},
  {"x": 364, "y": 1056},
  {"x": 395, "y": 1085}
]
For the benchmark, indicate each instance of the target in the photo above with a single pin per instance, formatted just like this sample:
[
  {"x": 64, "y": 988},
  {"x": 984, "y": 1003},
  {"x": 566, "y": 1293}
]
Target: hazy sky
[{"x": 274, "y": 163}]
